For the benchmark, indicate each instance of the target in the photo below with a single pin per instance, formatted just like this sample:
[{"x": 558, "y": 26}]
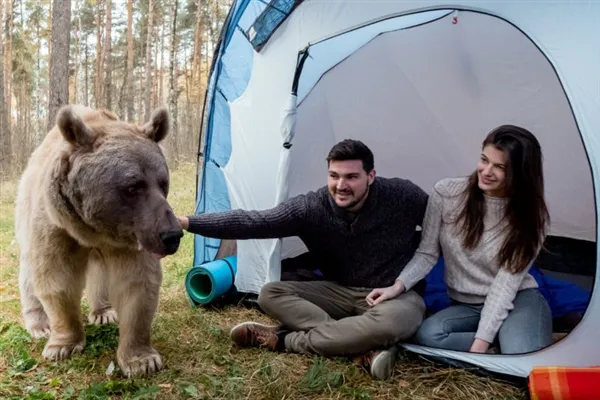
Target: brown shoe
[
  {"x": 255, "y": 334},
  {"x": 379, "y": 363}
]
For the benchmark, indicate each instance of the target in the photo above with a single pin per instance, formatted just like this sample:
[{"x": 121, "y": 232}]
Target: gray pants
[
  {"x": 527, "y": 328},
  {"x": 332, "y": 320}
]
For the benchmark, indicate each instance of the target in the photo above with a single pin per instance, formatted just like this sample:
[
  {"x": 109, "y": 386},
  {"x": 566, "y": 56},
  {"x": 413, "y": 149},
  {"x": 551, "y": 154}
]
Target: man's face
[{"x": 349, "y": 183}]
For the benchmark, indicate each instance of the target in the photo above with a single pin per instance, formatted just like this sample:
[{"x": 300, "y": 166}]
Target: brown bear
[{"x": 92, "y": 211}]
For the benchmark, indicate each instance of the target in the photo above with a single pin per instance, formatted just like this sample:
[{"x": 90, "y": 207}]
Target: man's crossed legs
[{"x": 321, "y": 317}]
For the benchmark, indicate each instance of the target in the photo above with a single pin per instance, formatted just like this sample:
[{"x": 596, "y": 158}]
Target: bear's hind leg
[
  {"x": 135, "y": 284},
  {"x": 101, "y": 311},
  {"x": 34, "y": 316}
]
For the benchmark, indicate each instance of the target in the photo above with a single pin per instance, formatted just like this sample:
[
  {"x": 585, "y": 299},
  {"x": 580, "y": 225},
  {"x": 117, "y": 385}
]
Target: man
[{"x": 362, "y": 230}]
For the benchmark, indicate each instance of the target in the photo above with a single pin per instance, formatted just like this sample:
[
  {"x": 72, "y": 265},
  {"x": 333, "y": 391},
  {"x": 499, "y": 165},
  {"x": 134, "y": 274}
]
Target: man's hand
[
  {"x": 479, "y": 346},
  {"x": 382, "y": 294},
  {"x": 185, "y": 222}
]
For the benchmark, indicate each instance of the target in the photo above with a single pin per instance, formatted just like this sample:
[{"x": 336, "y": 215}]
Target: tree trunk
[
  {"x": 39, "y": 124},
  {"x": 148, "y": 84},
  {"x": 173, "y": 82},
  {"x": 86, "y": 94},
  {"x": 190, "y": 95},
  {"x": 108, "y": 58},
  {"x": 163, "y": 33},
  {"x": 197, "y": 59},
  {"x": 121, "y": 102},
  {"x": 8, "y": 62},
  {"x": 140, "y": 102},
  {"x": 98, "y": 82},
  {"x": 9, "y": 25},
  {"x": 59, "y": 70},
  {"x": 20, "y": 144},
  {"x": 197, "y": 83},
  {"x": 76, "y": 67},
  {"x": 51, "y": 4},
  {"x": 5, "y": 149},
  {"x": 130, "y": 82},
  {"x": 27, "y": 137},
  {"x": 156, "y": 74}
]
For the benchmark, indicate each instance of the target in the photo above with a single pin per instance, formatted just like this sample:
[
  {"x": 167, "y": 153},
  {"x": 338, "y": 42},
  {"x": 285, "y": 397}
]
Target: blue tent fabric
[
  {"x": 562, "y": 296},
  {"x": 233, "y": 66}
]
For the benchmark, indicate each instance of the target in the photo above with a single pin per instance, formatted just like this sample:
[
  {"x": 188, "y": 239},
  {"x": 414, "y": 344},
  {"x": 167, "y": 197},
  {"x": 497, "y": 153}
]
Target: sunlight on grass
[{"x": 200, "y": 362}]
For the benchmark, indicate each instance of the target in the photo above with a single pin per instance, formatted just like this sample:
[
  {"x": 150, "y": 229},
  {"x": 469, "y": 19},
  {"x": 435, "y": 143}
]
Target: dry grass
[{"x": 200, "y": 361}]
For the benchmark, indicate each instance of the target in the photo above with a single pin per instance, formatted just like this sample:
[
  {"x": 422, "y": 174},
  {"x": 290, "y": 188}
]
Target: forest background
[{"x": 124, "y": 55}]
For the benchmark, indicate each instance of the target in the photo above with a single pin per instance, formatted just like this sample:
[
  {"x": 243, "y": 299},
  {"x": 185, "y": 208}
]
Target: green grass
[{"x": 200, "y": 362}]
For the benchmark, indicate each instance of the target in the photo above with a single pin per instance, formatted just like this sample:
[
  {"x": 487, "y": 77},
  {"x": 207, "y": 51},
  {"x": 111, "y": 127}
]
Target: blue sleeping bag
[{"x": 562, "y": 296}]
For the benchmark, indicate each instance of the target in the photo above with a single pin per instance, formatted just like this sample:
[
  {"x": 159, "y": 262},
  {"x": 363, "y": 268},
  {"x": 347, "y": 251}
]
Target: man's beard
[{"x": 356, "y": 201}]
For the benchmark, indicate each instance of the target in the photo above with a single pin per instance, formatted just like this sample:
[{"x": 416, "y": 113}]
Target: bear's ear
[
  {"x": 109, "y": 114},
  {"x": 158, "y": 127},
  {"x": 73, "y": 129}
]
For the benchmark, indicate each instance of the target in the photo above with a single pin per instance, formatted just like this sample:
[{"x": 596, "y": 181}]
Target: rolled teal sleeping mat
[{"x": 207, "y": 282}]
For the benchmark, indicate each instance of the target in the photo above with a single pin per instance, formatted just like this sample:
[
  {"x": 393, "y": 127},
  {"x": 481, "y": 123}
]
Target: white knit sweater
[{"x": 472, "y": 276}]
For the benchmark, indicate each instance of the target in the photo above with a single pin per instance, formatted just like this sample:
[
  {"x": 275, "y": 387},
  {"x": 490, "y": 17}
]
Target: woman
[{"x": 489, "y": 227}]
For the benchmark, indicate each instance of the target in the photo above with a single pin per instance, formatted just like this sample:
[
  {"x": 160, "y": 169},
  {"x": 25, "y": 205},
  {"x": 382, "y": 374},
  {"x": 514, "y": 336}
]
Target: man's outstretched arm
[{"x": 283, "y": 220}]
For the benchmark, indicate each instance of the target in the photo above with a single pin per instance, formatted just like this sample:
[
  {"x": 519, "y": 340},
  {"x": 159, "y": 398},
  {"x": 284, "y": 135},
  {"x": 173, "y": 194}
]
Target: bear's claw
[
  {"x": 39, "y": 331},
  {"x": 57, "y": 352},
  {"x": 36, "y": 323},
  {"x": 106, "y": 316},
  {"x": 141, "y": 365}
]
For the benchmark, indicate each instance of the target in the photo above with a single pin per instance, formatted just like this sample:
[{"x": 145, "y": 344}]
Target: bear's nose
[{"x": 170, "y": 240}]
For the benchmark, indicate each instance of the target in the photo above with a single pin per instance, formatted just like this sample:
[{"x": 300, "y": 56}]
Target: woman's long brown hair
[{"x": 526, "y": 209}]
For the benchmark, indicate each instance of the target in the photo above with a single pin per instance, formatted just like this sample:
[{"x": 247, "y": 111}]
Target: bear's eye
[
  {"x": 164, "y": 186},
  {"x": 136, "y": 188}
]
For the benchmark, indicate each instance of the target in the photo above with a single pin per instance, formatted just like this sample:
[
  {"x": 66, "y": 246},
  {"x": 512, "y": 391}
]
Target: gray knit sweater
[
  {"x": 368, "y": 249},
  {"x": 472, "y": 276}
]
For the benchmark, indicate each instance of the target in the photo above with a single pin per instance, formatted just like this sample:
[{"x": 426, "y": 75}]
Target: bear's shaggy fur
[{"x": 92, "y": 212}]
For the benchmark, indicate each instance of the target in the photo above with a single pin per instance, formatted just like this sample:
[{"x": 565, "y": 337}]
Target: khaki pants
[{"x": 332, "y": 320}]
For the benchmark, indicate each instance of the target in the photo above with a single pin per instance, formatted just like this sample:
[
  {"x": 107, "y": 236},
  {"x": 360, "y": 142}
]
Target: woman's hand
[
  {"x": 382, "y": 294},
  {"x": 479, "y": 346}
]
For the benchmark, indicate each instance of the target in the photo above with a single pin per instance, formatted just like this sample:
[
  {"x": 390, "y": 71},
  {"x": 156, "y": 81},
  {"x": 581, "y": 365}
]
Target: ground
[{"x": 200, "y": 362}]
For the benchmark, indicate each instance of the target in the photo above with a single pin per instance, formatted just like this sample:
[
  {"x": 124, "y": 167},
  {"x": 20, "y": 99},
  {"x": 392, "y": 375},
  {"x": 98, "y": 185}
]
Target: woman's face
[{"x": 491, "y": 171}]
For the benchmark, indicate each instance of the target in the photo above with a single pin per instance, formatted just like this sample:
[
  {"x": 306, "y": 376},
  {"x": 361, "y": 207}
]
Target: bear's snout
[{"x": 170, "y": 240}]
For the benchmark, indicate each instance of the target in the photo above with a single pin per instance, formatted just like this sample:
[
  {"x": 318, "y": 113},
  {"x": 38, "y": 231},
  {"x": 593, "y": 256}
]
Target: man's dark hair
[{"x": 350, "y": 149}]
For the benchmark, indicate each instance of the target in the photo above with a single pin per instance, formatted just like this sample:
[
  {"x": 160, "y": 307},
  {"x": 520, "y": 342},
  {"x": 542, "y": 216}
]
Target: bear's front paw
[
  {"x": 56, "y": 352},
  {"x": 142, "y": 362},
  {"x": 104, "y": 316}
]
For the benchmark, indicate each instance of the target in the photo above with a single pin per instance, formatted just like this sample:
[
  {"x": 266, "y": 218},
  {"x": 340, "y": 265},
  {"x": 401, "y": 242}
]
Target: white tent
[{"x": 421, "y": 83}]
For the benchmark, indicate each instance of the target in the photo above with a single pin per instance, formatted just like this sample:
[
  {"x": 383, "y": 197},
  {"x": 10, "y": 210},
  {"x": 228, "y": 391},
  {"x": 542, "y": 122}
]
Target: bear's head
[{"x": 116, "y": 178}]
